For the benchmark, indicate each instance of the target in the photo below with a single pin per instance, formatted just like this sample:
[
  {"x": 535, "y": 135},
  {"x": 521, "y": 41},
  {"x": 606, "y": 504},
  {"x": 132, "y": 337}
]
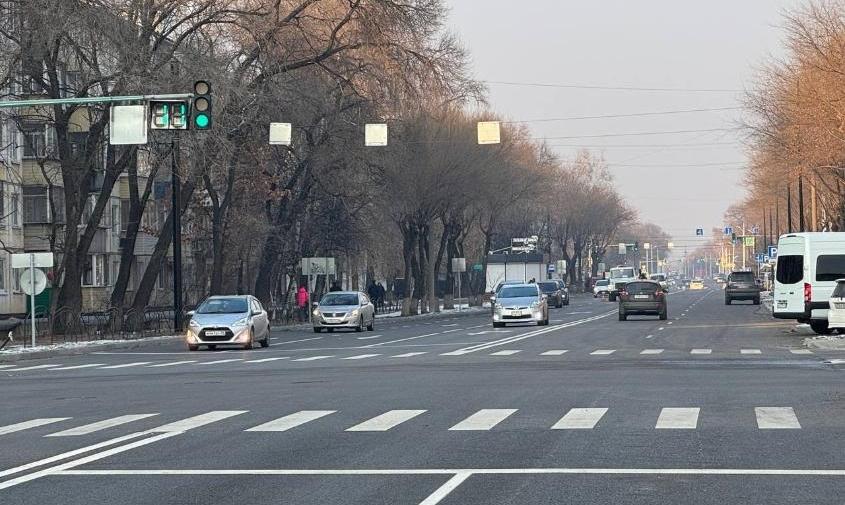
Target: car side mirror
[
  {"x": 190, "y": 313},
  {"x": 492, "y": 299},
  {"x": 314, "y": 305}
]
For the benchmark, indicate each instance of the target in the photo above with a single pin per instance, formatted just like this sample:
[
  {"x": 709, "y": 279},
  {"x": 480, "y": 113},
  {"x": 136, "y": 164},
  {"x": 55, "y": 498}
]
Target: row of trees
[
  {"x": 796, "y": 175},
  {"x": 254, "y": 210}
]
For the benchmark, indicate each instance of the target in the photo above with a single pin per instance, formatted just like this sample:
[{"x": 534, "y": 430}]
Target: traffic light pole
[{"x": 176, "y": 203}]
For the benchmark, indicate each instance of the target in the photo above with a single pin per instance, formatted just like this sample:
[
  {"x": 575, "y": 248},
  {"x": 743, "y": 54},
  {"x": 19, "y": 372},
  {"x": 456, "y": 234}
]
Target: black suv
[
  {"x": 742, "y": 286},
  {"x": 552, "y": 291},
  {"x": 642, "y": 297}
]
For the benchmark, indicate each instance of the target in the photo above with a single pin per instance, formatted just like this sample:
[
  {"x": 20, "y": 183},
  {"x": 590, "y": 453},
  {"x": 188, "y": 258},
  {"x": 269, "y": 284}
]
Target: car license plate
[
  {"x": 516, "y": 313},
  {"x": 641, "y": 297},
  {"x": 215, "y": 333},
  {"x": 782, "y": 304}
]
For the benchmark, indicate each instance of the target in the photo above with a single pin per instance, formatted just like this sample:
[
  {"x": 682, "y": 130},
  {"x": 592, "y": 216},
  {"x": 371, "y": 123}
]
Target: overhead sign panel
[
  {"x": 375, "y": 135},
  {"x": 128, "y": 125},
  {"x": 280, "y": 134},
  {"x": 39, "y": 260},
  {"x": 489, "y": 132}
]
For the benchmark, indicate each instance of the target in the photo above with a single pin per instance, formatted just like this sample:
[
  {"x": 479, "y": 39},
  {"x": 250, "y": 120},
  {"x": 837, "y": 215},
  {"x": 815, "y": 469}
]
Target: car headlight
[
  {"x": 354, "y": 313},
  {"x": 535, "y": 304},
  {"x": 498, "y": 306},
  {"x": 194, "y": 324},
  {"x": 241, "y": 322},
  {"x": 316, "y": 312}
]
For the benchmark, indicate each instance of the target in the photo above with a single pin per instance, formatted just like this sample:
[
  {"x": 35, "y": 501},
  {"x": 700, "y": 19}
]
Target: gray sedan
[
  {"x": 520, "y": 303},
  {"x": 344, "y": 309},
  {"x": 228, "y": 321}
]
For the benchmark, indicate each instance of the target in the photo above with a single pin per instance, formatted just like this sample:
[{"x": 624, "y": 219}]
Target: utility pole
[
  {"x": 813, "y": 215},
  {"x": 788, "y": 208},
  {"x": 801, "y": 203},
  {"x": 177, "y": 232}
]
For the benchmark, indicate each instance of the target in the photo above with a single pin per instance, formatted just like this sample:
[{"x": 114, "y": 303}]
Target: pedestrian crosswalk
[
  {"x": 294, "y": 360},
  {"x": 336, "y": 420}
]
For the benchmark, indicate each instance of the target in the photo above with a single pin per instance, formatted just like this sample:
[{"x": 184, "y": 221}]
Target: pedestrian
[
  {"x": 335, "y": 287},
  {"x": 380, "y": 296},
  {"x": 302, "y": 304},
  {"x": 532, "y": 281},
  {"x": 372, "y": 292}
]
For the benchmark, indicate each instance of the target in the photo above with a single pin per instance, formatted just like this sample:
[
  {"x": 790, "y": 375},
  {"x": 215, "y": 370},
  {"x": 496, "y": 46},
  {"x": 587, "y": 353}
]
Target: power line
[
  {"x": 639, "y": 134},
  {"x": 678, "y": 165},
  {"x": 616, "y": 88},
  {"x": 615, "y": 116}
]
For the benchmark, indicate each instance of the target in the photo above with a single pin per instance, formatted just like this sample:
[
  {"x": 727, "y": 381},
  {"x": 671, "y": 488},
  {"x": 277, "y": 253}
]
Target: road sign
[
  {"x": 561, "y": 265},
  {"x": 280, "y": 134},
  {"x": 375, "y": 134},
  {"x": 459, "y": 264},
  {"x": 729, "y": 230},
  {"x": 478, "y": 267},
  {"x": 623, "y": 249},
  {"x": 489, "y": 132},
  {"x": 749, "y": 241},
  {"x": 128, "y": 125},
  {"x": 773, "y": 251},
  {"x": 33, "y": 282},
  {"x": 755, "y": 230},
  {"x": 39, "y": 260},
  {"x": 318, "y": 266},
  {"x": 766, "y": 258},
  {"x": 647, "y": 246},
  {"x": 699, "y": 232},
  {"x": 761, "y": 258}
]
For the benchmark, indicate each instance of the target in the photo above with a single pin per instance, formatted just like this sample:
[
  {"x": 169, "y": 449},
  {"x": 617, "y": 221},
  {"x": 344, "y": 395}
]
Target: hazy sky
[{"x": 714, "y": 44}]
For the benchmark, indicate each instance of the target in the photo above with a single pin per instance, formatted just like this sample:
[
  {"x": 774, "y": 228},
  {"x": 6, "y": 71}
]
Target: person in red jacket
[{"x": 302, "y": 303}]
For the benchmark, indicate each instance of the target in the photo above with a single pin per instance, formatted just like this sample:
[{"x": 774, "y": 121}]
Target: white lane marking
[
  {"x": 197, "y": 421},
  {"x": 219, "y": 361},
  {"x": 362, "y": 356},
  {"x": 369, "y": 338},
  {"x": 509, "y": 352},
  {"x": 126, "y": 365},
  {"x": 485, "y": 332},
  {"x": 580, "y": 419},
  {"x": 172, "y": 363},
  {"x": 670, "y": 322},
  {"x": 750, "y": 351},
  {"x": 386, "y": 421},
  {"x": 33, "y": 423},
  {"x": 672, "y": 418},
  {"x": 652, "y": 351},
  {"x": 449, "y": 325},
  {"x": 483, "y": 420},
  {"x": 296, "y": 341},
  {"x": 100, "y": 425},
  {"x": 650, "y": 336},
  {"x": 313, "y": 358},
  {"x": 776, "y": 418},
  {"x": 77, "y": 367},
  {"x": 582, "y": 312},
  {"x": 409, "y": 355},
  {"x": 7, "y": 366},
  {"x": 444, "y": 490},
  {"x": 801, "y": 351},
  {"x": 602, "y": 352},
  {"x": 701, "y": 351},
  {"x": 292, "y": 421},
  {"x": 399, "y": 340},
  {"x": 265, "y": 360},
  {"x": 85, "y": 460},
  {"x": 835, "y": 361},
  {"x": 661, "y": 328},
  {"x": 34, "y": 367},
  {"x": 452, "y": 331},
  {"x": 472, "y": 471},
  {"x": 523, "y": 336},
  {"x": 554, "y": 352}
]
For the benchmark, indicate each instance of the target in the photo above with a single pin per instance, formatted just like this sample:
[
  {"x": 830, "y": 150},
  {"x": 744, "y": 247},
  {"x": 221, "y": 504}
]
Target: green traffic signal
[{"x": 201, "y": 121}]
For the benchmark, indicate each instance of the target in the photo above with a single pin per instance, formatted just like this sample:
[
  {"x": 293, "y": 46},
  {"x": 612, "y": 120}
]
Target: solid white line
[
  {"x": 483, "y": 420},
  {"x": 750, "y": 351},
  {"x": 7, "y": 366},
  {"x": 369, "y": 338},
  {"x": 100, "y": 425},
  {"x": 362, "y": 356},
  {"x": 386, "y": 421},
  {"x": 35, "y": 367},
  {"x": 444, "y": 490},
  {"x": 509, "y": 352},
  {"x": 77, "y": 367},
  {"x": 197, "y": 421},
  {"x": 678, "y": 419},
  {"x": 172, "y": 363},
  {"x": 399, "y": 340},
  {"x": 652, "y": 351},
  {"x": 83, "y": 461},
  {"x": 34, "y": 423},
  {"x": 265, "y": 360},
  {"x": 479, "y": 471},
  {"x": 580, "y": 419},
  {"x": 297, "y": 341},
  {"x": 216, "y": 362},
  {"x": 776, "y": 418},
  {"x": 602, "y": 352},
  {"x": 313, "y": 358},
  {"x": 292, "y": 421},
  {"x": 801, "y": 351},
  {"x": 701, "y": 351},
  {"x": 126, "y": 365},
  {"x": 554, "y": 352},
  {"x": 409, "y": 355}
]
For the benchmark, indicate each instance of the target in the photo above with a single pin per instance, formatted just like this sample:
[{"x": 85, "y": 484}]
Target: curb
[{"x": 94, "y": 346}]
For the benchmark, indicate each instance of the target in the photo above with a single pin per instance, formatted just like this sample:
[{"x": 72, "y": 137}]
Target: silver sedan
[
  {"x": 228, "y": 321},
  {"x": 520, "y": 303},
  {"x": 344, "y": 309}
]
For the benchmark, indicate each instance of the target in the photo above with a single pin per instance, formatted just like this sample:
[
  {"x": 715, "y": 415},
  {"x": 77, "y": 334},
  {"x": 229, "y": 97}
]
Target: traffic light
[
  {"x": 201, "y": 110},
  {"x": 168, "y": 115},
  {"x": 637, "y": 246}
]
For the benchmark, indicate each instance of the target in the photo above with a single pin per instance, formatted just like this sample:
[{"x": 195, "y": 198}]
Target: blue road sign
[
  {"x": 773, "y": 251},
  {"x": 699, "y": 232},
  {"x": 760, "y": 258},
  {"x": 729, "y": 230}
]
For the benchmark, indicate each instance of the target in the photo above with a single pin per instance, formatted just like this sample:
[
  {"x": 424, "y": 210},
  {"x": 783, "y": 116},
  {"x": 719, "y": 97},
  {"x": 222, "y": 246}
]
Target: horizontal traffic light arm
[{"x": 5, "y": 104}]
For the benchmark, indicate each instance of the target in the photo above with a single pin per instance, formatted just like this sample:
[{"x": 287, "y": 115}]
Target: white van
[{"x": 808, "y": 265}]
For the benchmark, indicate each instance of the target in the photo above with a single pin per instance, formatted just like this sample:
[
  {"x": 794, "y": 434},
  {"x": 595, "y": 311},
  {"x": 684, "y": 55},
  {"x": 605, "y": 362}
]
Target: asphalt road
[{"x": 717, "y": 405}]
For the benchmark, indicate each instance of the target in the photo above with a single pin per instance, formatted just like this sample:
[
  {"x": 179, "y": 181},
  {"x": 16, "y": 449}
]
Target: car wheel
[
  {"x": 330, "y": 330},
  {"x": 372, "y": 325},
  {"x": 318, "y": 330},
  {"x": 611, "y": 297},
  {"x": 820, "y": 327},
  {"x": 566, "y": 302},
  {"x": 266, "y": 341},
  {"x": 498, "y": 325},
  {"x": 360, "y": 326},
  {"x": 727, "y": 301},
  {"x": 192, "y": 347},
  {"x": 757, "y": 301},
  {"x": 248, "y": 345},
  {"x": 212, "y": 348},
  {"x": 623, "y": 316},
  {"x": 559, "y": 305},
  {"x": 663, "y": 315}
]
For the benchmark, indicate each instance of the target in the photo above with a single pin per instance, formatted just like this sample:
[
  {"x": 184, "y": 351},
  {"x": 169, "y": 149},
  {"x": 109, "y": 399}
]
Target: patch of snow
[{"x": 20, "y": 349}]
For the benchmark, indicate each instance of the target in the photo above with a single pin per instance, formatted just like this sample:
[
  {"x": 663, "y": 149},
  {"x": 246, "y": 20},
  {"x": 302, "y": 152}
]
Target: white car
[
  {"x": 602, "y": 286},
  {"x": 344, "y": 309},
  {"x": 836, "y": 313}
]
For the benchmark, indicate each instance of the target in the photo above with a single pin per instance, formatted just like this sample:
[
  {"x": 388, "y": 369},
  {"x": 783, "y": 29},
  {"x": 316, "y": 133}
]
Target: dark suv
[
  {"x": 642, "y": 297},
  {"x": 742, "y": 286},
  {"x": 553, "y": 292}
]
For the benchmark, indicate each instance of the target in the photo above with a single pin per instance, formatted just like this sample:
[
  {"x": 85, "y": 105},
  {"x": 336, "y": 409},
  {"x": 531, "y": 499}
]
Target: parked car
[
  {"x": 553, "y": 292},
  {"x": 642, "y": 297},
  {"x": 520, "y": 303},
  {"x": 742, "y": 286},
  {"x": 696, "y": 284},
  {"x": 808, "y": 267},
  {"x": 563, "y": 289},
  {"x": 228, "y": 321},
  {"x": 836, "y": 313},
  {"x": 602, "y": 288},
  {"x": 344, "y": 309}
]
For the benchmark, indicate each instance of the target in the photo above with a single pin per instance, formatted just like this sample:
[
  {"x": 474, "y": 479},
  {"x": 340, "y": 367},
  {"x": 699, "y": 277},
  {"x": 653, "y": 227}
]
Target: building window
[
  {"x": 13, "y": 212},
  {"x": 115, "y": 219},
  {"x": 124, "y": 213},
  {"x": 3, "y": 275},
  {"x": 34, "y": 140},
  {"x": 95, "y": 273},
  {"x": 16, "y": 281},
  {"x": 36, "y": 206},
  {"x": 3, "y": 200}
]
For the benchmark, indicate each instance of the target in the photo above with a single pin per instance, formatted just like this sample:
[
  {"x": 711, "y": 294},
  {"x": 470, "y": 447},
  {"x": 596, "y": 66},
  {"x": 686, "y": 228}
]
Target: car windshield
[
  {"x": 619, "y": 273},
  {"x": 223, "y": 306},
  {"x": 603, "y": 282},
  {"x": 518, "y": 292},
  {"x": 639, "y": 288},
  {"x": 548, "y": 287},
  {"x": 657, "y": 277},
  {"x": 337, "y": 299},
  {"x": 742, "y": 277},
  {"x": 839, "y": 292}
]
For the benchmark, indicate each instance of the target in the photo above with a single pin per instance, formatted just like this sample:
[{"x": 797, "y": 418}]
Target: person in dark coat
[{"x": 335, "y": 287}]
